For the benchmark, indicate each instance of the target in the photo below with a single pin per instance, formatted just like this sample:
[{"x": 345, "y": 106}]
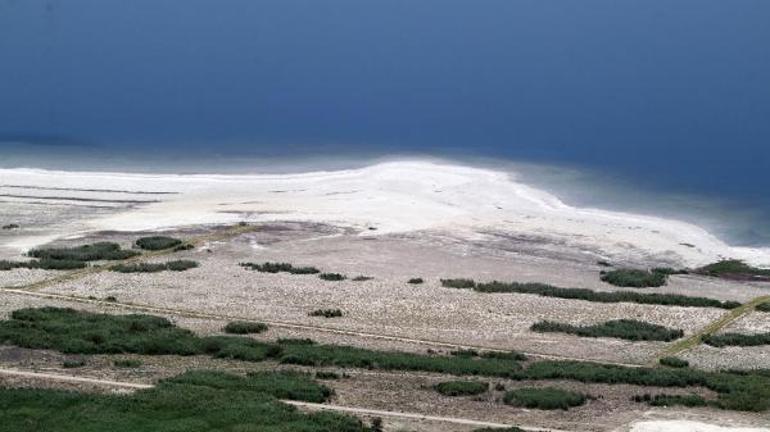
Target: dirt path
[
  {"x": 72, "y": 379},
  {"x": 697, "y": 338}
]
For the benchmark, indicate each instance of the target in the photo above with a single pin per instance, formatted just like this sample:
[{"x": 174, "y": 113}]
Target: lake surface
[{"x": 660, "y": 107}]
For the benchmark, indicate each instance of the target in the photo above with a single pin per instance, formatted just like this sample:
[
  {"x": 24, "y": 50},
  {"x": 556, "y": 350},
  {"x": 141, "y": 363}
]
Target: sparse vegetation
[
  {"x": 671, "y": 400},
  {"x": 362, "y": 278},
  {"x": 275, "y": 267},
  {"x": 461, "y": 388},
  {"x": 177, "y": 265},
  {"x": 674, "y": 362},
  {"x": 415, "y": 281},
  {"x": 11, "y": 226},
  {"x": 326, "y": 375},
  {"x": 763, "y": 307},
  {"x": 508, "y": 429},
  {"x": 245, "y": 327},
  {"x": 43, "y": 264},
  {"x": 508, "y": 355},
  {"x": 127, "y": 363},
  {"x": 632, "y": 330},
  {"x": 326, "y": 313},
  {"x": 737, "y": 339},
  {"x": 331, "y": 276},
  {"x": 458, "y": 283},
  {"x": 634, "y": 278},
  {"x": 181, "y": 265},
  {"x": 593, "y": 296},
  {"x": 197, "y": 401},
  {"x": 295, "y": 341},
  {"x": 184, "y": 247},
  {"x": 101, "y": 251},
  {"x": 547, "y": 398},
  {"x": 155, "y": 243},
  {"x": 73, "y": 363}
]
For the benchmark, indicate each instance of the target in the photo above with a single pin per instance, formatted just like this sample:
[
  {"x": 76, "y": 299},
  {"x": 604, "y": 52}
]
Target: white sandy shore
[{"x": 393, "y": 197}]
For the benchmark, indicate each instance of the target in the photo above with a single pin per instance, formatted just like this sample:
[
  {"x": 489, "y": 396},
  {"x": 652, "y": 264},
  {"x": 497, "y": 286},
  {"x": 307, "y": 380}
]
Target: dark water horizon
[{"x": 657, "y": 107}]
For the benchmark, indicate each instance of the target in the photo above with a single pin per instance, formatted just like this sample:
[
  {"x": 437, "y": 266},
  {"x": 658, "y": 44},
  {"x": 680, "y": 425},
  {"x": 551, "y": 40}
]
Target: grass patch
[
  {"x": 181, "y": 265},
  {"x": 42, "y": 264},
  {"x": 546, "y": 398},
  {"x": 545, "y": 290},
  {"x": 198, "y": 401},
  {"x": 634, "y": 278},
  {"x": 632, "y": 330},
  {"x": 461, "y": 388},
  {"x": 295, "y": 341},
  {"x": 127, "y": 363},
  {"x": 674, "y": 362},
  {"x": 763, "y": 307},
  {"x": 245, "y": 327},
  {"x": 325, "y": 375},
  {"x": 415, "y": 281},
  {"x": 177, "y": 265},
  {"x": 101, "y": 251},
  {"x": 275, "y": 267},
  {"x": 458, "y": 283},
  {"x": 326, "y": 313},
  {"x": 332, "y": 277},
  {"x": 362, "y": 278},
  {"x": 10, "y": 226},
  {"x": 664, "y": 400},
  {"x": 184, "y": 247},
  {"x": 73, "y": 363},
  {"x": 155, "y": 243},
  {"x": 508, "y": 355},
  {"x": 737, "y": 339}
]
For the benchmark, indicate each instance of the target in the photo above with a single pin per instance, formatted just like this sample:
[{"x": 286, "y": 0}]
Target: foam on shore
[{"x": 392, "y": 197}]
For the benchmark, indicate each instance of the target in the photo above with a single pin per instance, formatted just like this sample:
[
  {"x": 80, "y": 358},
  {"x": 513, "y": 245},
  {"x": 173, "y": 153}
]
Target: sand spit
[{"x": 393, "y": 197}]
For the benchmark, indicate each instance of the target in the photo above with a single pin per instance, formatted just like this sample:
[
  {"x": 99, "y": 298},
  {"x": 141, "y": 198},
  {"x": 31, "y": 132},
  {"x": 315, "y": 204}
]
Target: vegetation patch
[
  {"x": 458, "y": 283},
  {"x": 275, "y": 267},
  {"x": 326, "y": 313},
  {"x": 546, "y": 290},
  {"x": 733, "y": 269},
  {"x": 11, "y": 226},
  {"x": 101, "y": 251},
  {"x": 737, "y": 339},
  {"x": 197, "y": 401},
  {"x": 546, "y": 398},
  {"x": 295, "y": 341},
  {"x": 508, "y": 429},
  {"x": 674, "y": 362},
  {"x": 73, "y": 363},
  {"x": 332, "y": 276},
  {"x": 127, "y": 363},
  {"x": 325, "y": 375},
  {"x": 43, "y": 264},
  {"x": 245, "y": 327},
  {"x": 507, "y": 355},
  {"x": 461, "y": 388},
  {"x": 663, "y": 400},
  {"x": 184, "y": 247},
  {"x": 634, "y": 278},
  {"x": 362, "y": 278},
  {"x": 177, "y": 265},
  {"x": 415, "y": 281},
  {"x": 155, "y": 243},
  {"x": 632, "y": 330},
  {"x": 763, "y": 307}
]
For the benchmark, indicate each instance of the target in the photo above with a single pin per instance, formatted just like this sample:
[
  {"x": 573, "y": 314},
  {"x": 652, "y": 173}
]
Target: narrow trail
[
  {"x": 306, "y": 405},
  {"x": 697, "y": 338},
  {"x": 289, "y": 325}
]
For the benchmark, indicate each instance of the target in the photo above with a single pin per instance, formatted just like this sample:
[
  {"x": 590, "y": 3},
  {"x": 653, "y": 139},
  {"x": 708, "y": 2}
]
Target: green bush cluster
[
  {"x": 737, "y": 339},
  {"x": 42, "y": 264},
  {"x": 73, "y": 363},
  {"x": 332, "y": 276},
  {"x": 634, "y": 278},
  {"x": 326, "y": 375},
  {"x": 326, "y": 313},
  {"x": 275, "y": 267},
  {"x": 155, "y": 243},
  {"x": 507, "y": 355},
  {"x": 10, "y": 226},
  {"x": 545, "y": 290},
  {"x": 127, "y": 363},
  {"x": 196, "y": 401},
  {"x": 671, "y": 400},
  {"x": 362, "y": 278},
  {"x": 415, "y": 281},
  {"x": 101, "y": 251},
  {"x": 546, "y": 398},
  {"x": 763, "y": 307},
  {"x": 461, "y": 388},
  {"x": 177, "y": 265},
  {"x": 184, "y": 247},
  {"x": 245, "y": 327},
  {"x": 674, "y": 362},
  {"x": 632, "y": 330},
  {"x": 295, "y": 341},
  {"x": 458, "y": 283},
  {"x": 731, "y": 267}
]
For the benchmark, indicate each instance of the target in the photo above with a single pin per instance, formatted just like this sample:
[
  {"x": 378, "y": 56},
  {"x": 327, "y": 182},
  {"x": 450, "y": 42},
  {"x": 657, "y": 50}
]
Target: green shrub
[
  {"x": 547, "y": 398},
  {"x": 198, "y": 401},
  {"x": 245, "y": 327},
  {"x": 671, "y": 400},
  {"x": 461, "y": 388},
  {"x": 184, "y": 247},
  {"x": 11, "y": 226},
  {"x": 106, "y": 251},
  {"x": 732, "y": 268},
  {"x": 763, "y": 307},
  {"x": 127, "y": 363},
  {"x": 139, "y": 268},
  {"x": 155, "y": 243},
  {"x": 602, "y": 296},
  {"x": 362, "y": 278},
  {"x": 43, "y": 264},
  {"x": 415, "y": 281},
  {"x": 326, "y": 313},
  {"x": 295, "y": 341},
  {"x": 331, "y": 276},
  {"x": 737, "y": 339},
  {"x": 632, "y": 330},
  {"x": 509, "y": 355},
  {"x": 324, "y": 375},
  {"x": 181, "y": 265},
  {"x": 635, "y": 278},
  {"x": 458, "y": 283},
  {"x": 674, "y": 362},
  {"x": 73, "y": 363},
  {"x": 273, "y": 267}
]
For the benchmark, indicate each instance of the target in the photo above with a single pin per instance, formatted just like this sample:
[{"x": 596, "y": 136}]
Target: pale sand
[
  {"x": 687, "y": 426},
  {"x": 392, "y": 197}
]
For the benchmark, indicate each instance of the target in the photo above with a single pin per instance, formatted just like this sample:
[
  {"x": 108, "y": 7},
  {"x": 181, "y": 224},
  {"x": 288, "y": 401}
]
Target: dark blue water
[{"x": 670, "y": 97}]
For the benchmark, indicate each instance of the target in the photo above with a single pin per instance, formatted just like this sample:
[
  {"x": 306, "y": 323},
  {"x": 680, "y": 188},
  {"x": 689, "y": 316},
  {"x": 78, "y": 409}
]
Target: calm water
[{"x": 655, "y": 106}]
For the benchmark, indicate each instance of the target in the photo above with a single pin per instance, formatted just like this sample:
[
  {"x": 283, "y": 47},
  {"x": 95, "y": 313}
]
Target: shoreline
[{"x": 393, "y": 197}]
